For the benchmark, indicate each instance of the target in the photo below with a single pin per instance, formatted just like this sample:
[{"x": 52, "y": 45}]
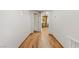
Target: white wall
[
  {"x": 15, "y": 26},
  {"x": 64, "y": 25}
]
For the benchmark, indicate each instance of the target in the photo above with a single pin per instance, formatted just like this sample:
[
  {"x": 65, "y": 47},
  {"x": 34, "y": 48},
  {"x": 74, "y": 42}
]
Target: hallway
[{"x": 23, "y": 28}]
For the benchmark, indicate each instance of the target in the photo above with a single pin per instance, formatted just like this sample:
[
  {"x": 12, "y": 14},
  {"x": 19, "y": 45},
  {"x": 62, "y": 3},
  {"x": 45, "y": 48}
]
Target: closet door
[{"x": 35, "y": 22}]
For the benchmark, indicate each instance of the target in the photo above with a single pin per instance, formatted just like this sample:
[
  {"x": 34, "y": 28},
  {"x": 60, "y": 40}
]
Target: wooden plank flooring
[
  {"x": 41, "y": 40},
  {"x": 54, "y": 42},
  {"x": 31, "y": 41}
]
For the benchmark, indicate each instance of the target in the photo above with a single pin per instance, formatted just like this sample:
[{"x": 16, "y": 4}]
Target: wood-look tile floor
[{"x": 41, "y": 40}]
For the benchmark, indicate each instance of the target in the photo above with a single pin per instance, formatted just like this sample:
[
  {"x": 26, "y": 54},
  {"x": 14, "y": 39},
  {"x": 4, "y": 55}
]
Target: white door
[{"x": 37, "y": 22}]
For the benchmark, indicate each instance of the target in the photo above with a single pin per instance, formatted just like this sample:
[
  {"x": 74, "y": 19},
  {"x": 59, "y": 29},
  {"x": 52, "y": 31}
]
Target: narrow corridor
[{"x": 23, "y": 28}]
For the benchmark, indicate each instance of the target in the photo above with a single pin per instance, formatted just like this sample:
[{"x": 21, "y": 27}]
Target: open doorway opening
[
  {"x": 44, "y": 19},
  {"x": 44, "y": 23}
]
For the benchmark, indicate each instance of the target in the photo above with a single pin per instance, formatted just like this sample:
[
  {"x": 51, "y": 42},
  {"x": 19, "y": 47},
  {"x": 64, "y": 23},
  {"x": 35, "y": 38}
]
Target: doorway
[{"x": 44, "y": 21}]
